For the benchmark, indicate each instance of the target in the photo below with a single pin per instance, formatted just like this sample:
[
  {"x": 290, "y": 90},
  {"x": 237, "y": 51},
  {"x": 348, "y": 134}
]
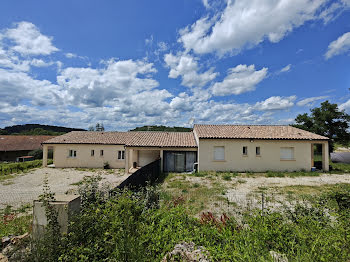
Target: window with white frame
[
  {"x": 245, "y": 151},
  {"x": 101, "y": 152},
  {"x": 92, "y": 152},
  {"x": 121, "y": 154},
  {"x": 287, "y": 153},
  {"x": 219, "y": 153},
  {"x": 72, "y": 153}
]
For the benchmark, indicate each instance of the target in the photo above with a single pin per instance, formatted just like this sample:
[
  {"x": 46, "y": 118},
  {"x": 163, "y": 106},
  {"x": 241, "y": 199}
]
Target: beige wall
[
  {"x": 269, "y": 158},
  {"x": 84, "y": 159}
]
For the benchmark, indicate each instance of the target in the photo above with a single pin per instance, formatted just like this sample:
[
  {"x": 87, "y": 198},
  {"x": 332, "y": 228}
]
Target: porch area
[
  {"x": 320, "y": 155},
  {"x": 172, "y": 159}
]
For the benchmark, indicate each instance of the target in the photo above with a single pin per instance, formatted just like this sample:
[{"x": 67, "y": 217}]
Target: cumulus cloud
[
  {"x": 276, "y": 103},
  {"x": 310, "y": 101},
  {"x": 239, "y": 79},
  {"x": 339, "y": 46},
  {"x": 18, "y": 86},
  {"x": 109, "y": 85},
  {"x": 186, "y": 66},
  {"x": 247, "y": 23},
  {"x": 29, "y": 41}
]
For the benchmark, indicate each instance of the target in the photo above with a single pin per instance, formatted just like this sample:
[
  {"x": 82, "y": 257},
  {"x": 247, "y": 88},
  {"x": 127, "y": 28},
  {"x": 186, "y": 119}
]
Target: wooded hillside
[{"x": 36, "y": 129}]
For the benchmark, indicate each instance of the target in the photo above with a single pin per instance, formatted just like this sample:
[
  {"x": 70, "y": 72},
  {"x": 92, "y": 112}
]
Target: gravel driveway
[{"x": 26, "y": 187}]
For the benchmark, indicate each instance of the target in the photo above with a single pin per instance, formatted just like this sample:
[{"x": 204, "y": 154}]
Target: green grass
[
  {"x": 195, "y": 196},
  {"x": 20, "y": 167},
  {"x": 301, "y": 190},
  {"x": 291, "y": 174},
  {"x": 340, "y": 168},
  {"x": 15, "y": 221}
]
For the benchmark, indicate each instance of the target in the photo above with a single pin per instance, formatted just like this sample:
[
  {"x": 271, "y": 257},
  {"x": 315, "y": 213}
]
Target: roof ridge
[{"x": 237, "y": 125}]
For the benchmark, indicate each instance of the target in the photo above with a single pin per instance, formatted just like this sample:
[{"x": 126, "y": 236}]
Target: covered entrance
[{"x": 179, "y": 161}]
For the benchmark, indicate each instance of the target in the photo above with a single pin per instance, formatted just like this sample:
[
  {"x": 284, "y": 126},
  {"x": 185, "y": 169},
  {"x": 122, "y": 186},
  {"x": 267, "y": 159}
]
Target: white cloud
[
  {"x": 334, "y": 10},
  {"x": 149, "y": 41},
  {"x": 206, "y": 3},
  {"x": 29, "y": 40},
  {"x": 106, "y": 86},
  {"x": 310, "y": 101},
  {"x": 70, "y": 55},
  {"x": 18, "y": 86},
  {"x": 286, "y": 68},
  {"x": 40, "y": 63},
  {"x": 345, "y": 106},
  {"x": 239, "y": 79},
  {"x": 186, "y": 66},
  {"x": 276, "y": 103},
  {"x": 339, "y": 46},
  {"x": 247, "y": 23}
]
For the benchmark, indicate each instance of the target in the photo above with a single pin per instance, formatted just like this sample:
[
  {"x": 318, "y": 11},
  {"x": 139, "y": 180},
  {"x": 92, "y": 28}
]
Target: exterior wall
[
  {"x": 84, "y": 159},
  {"x": 269, "y": 158}
]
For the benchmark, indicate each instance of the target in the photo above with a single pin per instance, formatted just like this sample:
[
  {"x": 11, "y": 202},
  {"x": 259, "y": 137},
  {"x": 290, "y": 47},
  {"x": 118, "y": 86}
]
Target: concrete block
[{"x": 65, "y": 205}]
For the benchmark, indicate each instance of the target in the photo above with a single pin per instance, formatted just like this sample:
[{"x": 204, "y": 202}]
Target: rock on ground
[{"x": 187, "y": 252}]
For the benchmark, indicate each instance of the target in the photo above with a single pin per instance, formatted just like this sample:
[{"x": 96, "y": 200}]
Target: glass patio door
[{"x": 179, "y": 162}]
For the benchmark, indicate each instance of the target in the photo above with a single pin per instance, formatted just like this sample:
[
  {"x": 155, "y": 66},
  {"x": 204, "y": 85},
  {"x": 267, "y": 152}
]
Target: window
[
  {"x": 257, "y": 150},
  {"x": 101, "y": 152},
  {"x": 121, "y": 154},
  {"x": 92, "y": 152},
  {"x": 72, "y": 153},
  {"x": 245, "y": 150},
  {"x": 219, "y": 153},
  {"x": 287, "y": 153}
]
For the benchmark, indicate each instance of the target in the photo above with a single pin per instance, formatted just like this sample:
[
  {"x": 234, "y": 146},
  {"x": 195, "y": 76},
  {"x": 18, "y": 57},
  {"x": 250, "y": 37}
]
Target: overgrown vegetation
[
  {"x": 135, "y": 227},
  {"x": 14, "y": 221},
  {"x": 11, "y": 168}
]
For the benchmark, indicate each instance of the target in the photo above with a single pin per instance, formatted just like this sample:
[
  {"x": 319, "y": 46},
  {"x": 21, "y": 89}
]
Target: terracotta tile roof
[
  {"x": 162, "y": 139},
  {"x": 149, "y": 138},
  {"x": 90, "y": 137},
  {"x": 255, "y": 132},
  {"x": 17, "y": 143}
]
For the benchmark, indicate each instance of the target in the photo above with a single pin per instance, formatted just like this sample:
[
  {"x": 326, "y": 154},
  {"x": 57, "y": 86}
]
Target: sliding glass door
[{"x": 179, "y": 161}]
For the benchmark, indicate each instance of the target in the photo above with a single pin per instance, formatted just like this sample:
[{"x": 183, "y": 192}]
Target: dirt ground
[
  {"x": 24, "y": 188},
  {"x": 240, "y": 193},
  {"x": 217, "y": 195}
]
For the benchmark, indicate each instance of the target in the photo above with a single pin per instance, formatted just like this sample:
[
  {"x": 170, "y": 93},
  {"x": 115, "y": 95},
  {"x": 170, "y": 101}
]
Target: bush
[
  {"x": 133, "y": 227},
  {"x": 7, "y": 169}
]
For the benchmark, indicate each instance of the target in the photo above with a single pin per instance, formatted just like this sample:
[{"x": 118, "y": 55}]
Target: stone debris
[
  {"x": 11, "y": 245},
  {"x": 187, "y": 252},
  {"x": 278, "y": 257},
  {"x": 3, "y": 258}
]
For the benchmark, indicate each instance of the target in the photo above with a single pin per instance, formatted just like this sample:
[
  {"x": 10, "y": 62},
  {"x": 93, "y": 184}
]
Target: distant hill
[
  {"x": 163, "y": 128},
  {"x": 36, "y": 129}
]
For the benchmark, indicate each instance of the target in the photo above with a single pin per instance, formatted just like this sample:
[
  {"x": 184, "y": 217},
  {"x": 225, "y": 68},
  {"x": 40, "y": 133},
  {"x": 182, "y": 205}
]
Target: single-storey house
[
  {"x": 12, "y": 146},
  {"x": 211, "y": 147}
]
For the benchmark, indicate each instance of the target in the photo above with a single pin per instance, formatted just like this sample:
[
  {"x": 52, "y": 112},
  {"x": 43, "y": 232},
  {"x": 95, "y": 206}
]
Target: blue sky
[{"x": 134, "y": 63}]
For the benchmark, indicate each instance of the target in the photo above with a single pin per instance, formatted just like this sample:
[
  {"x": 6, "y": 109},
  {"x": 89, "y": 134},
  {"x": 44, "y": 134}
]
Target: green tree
[
  {"x": 99, "y": 127},
  {"x": 326, "y": 120}
]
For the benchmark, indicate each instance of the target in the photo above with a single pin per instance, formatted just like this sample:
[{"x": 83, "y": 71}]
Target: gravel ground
[
  {"x": 24, "y": 188},
  {"x": 248, "y": 186}
]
